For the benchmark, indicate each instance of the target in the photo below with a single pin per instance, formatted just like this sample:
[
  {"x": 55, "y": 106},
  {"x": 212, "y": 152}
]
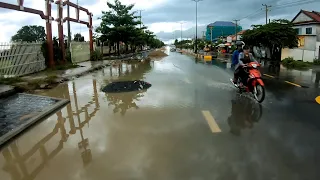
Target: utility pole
[
  {"x": 181, "y": 31},
  {"x": 69, "y": 28},
  {"x": 196, "y": 42},
  {"x": 236, "y": 20},
  {"x": 267, "y": 9},
  {"x": 140, "y": 17}
]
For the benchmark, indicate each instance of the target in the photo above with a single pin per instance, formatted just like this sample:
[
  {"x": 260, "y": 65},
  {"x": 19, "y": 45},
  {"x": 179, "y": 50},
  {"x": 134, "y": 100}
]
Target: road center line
[
  {"x": 212, "y": 123},
  {"x": 268, "y": 75},
  {"x": 292, "y": 83}
]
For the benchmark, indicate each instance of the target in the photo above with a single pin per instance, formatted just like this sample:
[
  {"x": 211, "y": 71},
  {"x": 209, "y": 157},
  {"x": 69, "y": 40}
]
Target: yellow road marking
[
  {"x": 318, "y": 99},
  {"x": 212, "y": 123},
  {"x": 268, "y": 75},
  {"x": 292, "y": 83}
]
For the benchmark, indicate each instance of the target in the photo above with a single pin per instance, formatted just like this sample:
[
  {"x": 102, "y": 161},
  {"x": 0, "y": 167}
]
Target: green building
[{"x": 221, "y": 28}]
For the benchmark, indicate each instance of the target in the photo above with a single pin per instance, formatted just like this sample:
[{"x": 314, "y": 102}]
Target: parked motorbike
[{"x": 254, "y": 83}]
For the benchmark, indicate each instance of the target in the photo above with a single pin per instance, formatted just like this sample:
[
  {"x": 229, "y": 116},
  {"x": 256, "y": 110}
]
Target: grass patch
[
  {"x": 316, "y": 62},
  {"x": 9, "y": 81},
  {"x": 290, "y": 63}
]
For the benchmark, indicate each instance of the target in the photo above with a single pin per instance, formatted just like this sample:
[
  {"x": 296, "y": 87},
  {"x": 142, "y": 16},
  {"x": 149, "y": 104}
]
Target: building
[
  {"x": 307, "y": 25},
  {"x": 232, "y": 38},
  {"x": 221, "y": 28}
]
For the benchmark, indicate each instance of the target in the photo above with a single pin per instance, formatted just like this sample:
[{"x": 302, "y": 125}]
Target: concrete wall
[
  {"x": 299, "y": 54},
  {"x": 302, "y": 17},
  {"x": 309, "y": 43},
  {"x": 318, "y": 32},
  {"x": 310, "y": 40}
]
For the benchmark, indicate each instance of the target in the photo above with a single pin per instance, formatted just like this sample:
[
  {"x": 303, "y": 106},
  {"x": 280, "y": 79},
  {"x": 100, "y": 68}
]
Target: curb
[
  {"x": 46, "y": 112},
  {"x": 8, "y": 92}
]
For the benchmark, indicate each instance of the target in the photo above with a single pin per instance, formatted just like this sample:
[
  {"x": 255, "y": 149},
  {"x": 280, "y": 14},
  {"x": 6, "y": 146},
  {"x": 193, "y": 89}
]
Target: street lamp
[
  {"x": 181, "y": 34},
  {"x": 196, "y": 43}
]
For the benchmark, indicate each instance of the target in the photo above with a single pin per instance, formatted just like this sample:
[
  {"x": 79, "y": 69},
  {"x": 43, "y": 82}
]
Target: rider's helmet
[{"x": 240, "y": 43}]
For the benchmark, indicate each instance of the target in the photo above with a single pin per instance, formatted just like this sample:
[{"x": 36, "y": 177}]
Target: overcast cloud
[{"x": 164, "y": 16}]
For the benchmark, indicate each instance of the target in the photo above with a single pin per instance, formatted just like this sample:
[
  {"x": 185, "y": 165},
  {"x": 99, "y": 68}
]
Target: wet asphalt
[{"x": 191, "y": 125}]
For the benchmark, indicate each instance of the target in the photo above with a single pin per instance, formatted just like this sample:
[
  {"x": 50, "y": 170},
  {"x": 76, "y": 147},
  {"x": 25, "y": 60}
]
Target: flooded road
[{"x": 191, "y": 124}]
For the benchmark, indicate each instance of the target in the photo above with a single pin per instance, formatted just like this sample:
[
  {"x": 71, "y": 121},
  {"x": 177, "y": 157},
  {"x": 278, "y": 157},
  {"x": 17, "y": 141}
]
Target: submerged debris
[{"x": 126, "y": 86}]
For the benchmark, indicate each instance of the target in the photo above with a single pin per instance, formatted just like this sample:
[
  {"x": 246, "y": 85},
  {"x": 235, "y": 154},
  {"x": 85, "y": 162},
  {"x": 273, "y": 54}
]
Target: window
[
  {"x": 298, "y": 30},
  {"x": 309, "y": 30}
]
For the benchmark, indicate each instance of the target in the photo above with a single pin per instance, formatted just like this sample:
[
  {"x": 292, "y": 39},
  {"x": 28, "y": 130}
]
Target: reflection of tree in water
[
  {"x": 124, "y": 101},
  {"x": 244, "y": 113}
]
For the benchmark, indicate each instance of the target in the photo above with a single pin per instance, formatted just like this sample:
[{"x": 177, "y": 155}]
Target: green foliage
[
  {"x": 96, "y": 56},
  {"x": 316, "y": 62},
  {"x": 78, "y": 37},
  {"x": 57, "y": 52},
  {"x": 119, "y": 24},
  {"x": 30, "y": 34},
  {"x": 10, "y": 80},
  {"x": 276, "y": 35},
  {"x": 292, "y": 64}
]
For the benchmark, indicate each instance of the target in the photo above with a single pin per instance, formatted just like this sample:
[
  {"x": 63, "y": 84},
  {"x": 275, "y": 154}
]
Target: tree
[
  {"x": 276, "y": 35},
  {"x": 118, "y": 24},
  {"x": 30, "y": 34},
  {"x": 78, "y": 37}
]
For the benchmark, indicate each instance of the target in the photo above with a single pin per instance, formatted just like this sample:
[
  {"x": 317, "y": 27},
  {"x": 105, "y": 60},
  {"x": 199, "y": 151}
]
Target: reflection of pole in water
[
  {"x": 95, "y": 93},
  {"x": 316, "y": 82},
  {"x": 61, "y": 120}
]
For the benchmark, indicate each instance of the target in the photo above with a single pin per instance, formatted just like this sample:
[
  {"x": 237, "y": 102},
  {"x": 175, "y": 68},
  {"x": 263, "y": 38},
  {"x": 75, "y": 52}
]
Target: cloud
[{"x": 164, "y": 16}]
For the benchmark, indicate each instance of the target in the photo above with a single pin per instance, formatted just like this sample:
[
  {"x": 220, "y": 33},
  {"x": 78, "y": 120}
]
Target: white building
[{"x": 307, "y": 25}]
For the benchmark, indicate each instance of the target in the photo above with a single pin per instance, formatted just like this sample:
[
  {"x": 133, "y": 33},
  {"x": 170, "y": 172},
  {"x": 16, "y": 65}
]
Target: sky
[{"x": 164, "y": 17}]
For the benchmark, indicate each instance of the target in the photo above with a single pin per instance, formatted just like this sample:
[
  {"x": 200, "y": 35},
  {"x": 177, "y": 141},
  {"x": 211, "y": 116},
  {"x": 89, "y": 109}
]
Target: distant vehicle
[{"x": 173, "y": 49}]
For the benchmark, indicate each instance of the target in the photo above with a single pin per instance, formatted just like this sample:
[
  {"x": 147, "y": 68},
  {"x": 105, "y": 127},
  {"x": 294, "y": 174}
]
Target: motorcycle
[{"x": 254, "y": 83}]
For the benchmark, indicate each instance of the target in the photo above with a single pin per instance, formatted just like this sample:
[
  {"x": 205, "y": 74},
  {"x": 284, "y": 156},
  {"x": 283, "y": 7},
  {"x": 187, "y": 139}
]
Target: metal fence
[
  {"x": 80, "y": 51},
  {"x": 17, "y": 59}
]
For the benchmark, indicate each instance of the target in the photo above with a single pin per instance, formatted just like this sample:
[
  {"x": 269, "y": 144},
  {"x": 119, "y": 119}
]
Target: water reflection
[
  {"x": 127, "y": 72},
  {"x": 16, "y": 162},
  {"x": 245, "y": 112},
  {"x": 317, "y": 80}
]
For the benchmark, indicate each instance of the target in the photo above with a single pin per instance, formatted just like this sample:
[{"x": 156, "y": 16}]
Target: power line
[
  {"x": 295, "y": 3},
  {"x": 252, "y": 14},
  {"x": 284, "y": 5}
]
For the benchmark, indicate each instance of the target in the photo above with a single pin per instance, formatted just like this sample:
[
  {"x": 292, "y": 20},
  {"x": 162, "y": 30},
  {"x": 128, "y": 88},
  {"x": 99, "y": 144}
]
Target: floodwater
[{"x": 163, "y": 132}]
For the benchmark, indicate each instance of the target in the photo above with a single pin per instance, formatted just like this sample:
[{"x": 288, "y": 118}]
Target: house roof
[
  {"x": 314, "y": 15},
  {"x": 241, "y": 32},
  {"x": 222, "y": 23}
]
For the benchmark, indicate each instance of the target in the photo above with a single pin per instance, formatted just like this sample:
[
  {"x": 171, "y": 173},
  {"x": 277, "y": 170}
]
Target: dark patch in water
[{"x": 126, "y": 86}]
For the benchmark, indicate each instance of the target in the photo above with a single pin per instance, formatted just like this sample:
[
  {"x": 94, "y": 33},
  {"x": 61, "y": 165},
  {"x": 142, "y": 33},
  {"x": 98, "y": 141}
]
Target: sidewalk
[{"x": 6, "y": 90}]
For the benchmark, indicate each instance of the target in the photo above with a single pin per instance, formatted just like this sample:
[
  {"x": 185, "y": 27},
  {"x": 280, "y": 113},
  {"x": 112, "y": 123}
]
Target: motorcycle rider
[
  {"x": 245, "y": 57},
  {"x": 235, "y": 55}
]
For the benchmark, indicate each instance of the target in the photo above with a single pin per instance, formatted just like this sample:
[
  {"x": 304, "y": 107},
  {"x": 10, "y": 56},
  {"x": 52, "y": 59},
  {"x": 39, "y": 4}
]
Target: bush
[
  {"x": 292, "y": 64},
  {"x": 96, "y": 56},
  {"x": 316, "y": 62}
]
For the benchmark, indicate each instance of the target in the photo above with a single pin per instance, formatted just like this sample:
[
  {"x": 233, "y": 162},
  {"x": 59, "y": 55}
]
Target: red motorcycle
[{"x": 254, "y": 83}]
